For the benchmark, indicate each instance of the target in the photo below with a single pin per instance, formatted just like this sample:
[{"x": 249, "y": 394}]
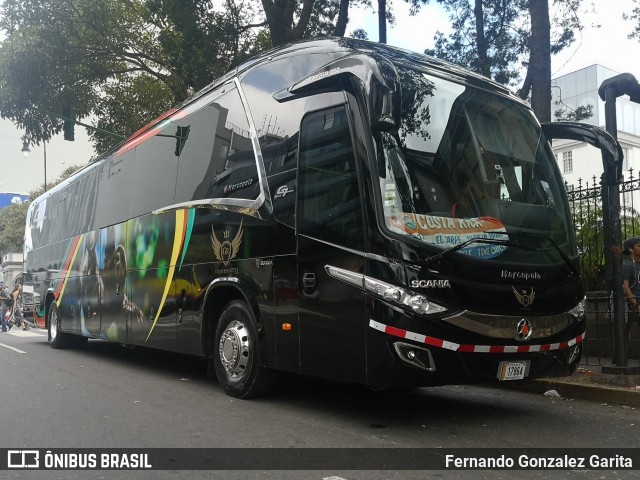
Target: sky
[{"x": 607, "y": 45}]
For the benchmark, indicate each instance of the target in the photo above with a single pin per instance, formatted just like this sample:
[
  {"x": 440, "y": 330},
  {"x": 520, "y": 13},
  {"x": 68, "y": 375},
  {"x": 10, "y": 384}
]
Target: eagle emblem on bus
[
  {"x": 525, "y": 299},
  {"x": 226, "y": 250}
]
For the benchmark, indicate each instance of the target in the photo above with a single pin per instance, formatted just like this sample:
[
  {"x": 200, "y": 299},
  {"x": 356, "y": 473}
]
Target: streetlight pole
[
  {"x": 44, "y": 144},
  {"x": 26, "y": 151}
]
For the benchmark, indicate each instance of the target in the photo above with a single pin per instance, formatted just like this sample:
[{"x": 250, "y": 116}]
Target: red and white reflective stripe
[{"x": 456, "y": 347}]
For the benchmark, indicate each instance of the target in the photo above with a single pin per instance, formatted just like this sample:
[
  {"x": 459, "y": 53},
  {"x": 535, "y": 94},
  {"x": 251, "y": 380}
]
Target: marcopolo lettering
[
  {"x": 512, "y": 275},
  {"x": 318, "y": 76}
]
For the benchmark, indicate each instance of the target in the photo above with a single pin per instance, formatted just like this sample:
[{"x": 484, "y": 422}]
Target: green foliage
[
  {"x": 495, "y": 40},
  {"x": 590, "y": 235},
  {"x": 12, "y": 221},
  {"x": 500, "y": 26},
  {"x": 634, "y": 17},
  {"x": 360, "y": 34},
  {"x": 99, "y": 56},
  {"x": 579, "y": 114}
]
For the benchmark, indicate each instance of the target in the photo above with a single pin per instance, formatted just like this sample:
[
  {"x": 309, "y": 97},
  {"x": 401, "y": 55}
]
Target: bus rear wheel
[
  {"x": 57, "y": 338},
  {"x": 236, "y": 358}
]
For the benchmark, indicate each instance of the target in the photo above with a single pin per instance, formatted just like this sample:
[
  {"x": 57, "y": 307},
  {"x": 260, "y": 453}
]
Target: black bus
[{"x": 334, "y": 208}]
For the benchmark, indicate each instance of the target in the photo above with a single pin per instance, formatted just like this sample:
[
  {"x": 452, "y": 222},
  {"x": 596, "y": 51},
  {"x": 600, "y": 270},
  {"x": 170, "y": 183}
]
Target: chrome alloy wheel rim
[
  {"x": 234, "y": 349},
  {"x": 53, "y": 325}
]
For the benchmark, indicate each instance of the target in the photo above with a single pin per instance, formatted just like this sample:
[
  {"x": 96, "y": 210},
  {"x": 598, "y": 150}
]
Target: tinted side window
[
  {"x": 114, "y": 191},
  {"x": 154, "y": 173},
  {"x": 329, "y": 197},
  {"x": 217, "y": 158}
]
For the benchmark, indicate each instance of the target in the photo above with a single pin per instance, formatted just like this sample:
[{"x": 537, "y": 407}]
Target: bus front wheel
[{"x": 235, "y": 357}]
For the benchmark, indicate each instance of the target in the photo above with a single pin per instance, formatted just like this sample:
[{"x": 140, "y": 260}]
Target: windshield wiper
[
  {"x": 561, "y": 252},
  {"x": 435, "y": 259}
]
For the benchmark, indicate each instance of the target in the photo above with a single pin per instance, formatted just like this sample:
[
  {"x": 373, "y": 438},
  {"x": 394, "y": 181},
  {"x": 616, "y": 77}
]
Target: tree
[
  {"x": 486, "y": 37},
  {"x": 382, "y": 21},
  {"x": 12, "y": 222},
  {"x": 498, "y": 38},
  {"x": 280, "y": 18},
  {"x": 102, "y": 56},
  {"x": 634, "y": 17},
  {"x": 343, "y": 18},
  {"x": 539, "y": 71},
  {"x": 293, "y": 20},
  {"x": 125, "y": 63},
  {"x": 578, "y": 114}
]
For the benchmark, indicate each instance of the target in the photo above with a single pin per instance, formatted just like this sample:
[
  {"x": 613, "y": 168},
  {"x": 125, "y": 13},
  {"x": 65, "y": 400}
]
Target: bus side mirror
[
  {"x": 595, "y": 136},
  {"x": 377, "y": 75}
]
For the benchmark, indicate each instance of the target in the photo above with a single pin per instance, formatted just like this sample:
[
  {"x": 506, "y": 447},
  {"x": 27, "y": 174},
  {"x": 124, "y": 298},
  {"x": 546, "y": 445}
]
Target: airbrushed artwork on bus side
[{"x": 96, "y": 286}]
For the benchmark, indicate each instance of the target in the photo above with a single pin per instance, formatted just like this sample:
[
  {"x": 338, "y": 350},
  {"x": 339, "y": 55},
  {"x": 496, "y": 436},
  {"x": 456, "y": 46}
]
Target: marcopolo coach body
[{"x": 334, "y": 208}]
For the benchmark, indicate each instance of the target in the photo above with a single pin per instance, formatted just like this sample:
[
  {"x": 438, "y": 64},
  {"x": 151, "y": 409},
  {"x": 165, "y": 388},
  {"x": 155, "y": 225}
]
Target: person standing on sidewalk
[
  {"x": 5, "y": 301},
  {"x": 631, "y": 279},
  {"x": 17, "y": 311}
]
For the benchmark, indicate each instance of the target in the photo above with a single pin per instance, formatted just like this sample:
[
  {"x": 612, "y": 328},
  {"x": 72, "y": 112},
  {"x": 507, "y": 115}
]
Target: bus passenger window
[
  {"x": 217, "y": 159},
  {"x": 329, "y": 197}
]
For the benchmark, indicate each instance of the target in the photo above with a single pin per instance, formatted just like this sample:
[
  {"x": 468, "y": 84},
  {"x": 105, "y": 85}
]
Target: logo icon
[
  {"x": 525, "y": 299},
  {"x": 524, "y": 329},
  {"x": 226, "y": 250},
  {"x": 282, "y": 191},
  {"x": 23, "y": 459}
]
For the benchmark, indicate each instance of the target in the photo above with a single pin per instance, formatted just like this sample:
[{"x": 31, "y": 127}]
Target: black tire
[
  {"x": 236, "y": 359},
  {"x": 79, "y": 341},
  {"x": 57, "y": 338}
]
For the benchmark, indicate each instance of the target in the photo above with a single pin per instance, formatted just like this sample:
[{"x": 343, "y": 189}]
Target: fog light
[
  {"x": 578, "y": 312},
  {"x": 574, "y": 354},
  {"x": 415, "y": 356},
  {"x": 419, "y": 303}
]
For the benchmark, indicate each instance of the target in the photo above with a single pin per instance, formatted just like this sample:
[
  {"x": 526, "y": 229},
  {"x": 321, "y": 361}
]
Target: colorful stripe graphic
[
  {"x": 456, "y": 347},
  {"x": 182, "y": 235},
  {"x": 151, "y": 130},
  {"x": 61, "y": 282}
]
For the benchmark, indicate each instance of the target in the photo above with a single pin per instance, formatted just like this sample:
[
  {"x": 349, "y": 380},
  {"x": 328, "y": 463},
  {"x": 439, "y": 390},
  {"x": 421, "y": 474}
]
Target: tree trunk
[
  {"x": 279, "y": 15},
  {"x": 481, "y": 40},
  {"x": 382, "y": 21},
  {"x": 540, "y": 59},
  {"x": 343, "y": 18}
]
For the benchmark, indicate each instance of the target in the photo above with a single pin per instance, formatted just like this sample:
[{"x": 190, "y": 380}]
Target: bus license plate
[{"x": 513, "y": 370}]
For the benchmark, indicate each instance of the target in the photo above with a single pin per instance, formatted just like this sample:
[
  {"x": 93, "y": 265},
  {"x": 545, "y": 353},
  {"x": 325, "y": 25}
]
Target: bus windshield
[{"x": 467, "y": 164}]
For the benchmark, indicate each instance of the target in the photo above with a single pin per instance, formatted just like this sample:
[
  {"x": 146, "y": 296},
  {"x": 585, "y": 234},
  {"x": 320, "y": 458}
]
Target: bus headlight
[
  {"x": 578, "y": 312},
  {"x": 391, "y": 293},
  {"x": 421, "y": 304}
]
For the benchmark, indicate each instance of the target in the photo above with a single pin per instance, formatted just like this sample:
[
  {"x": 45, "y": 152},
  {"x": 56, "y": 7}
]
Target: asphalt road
[{"x": 108, "y": 396}]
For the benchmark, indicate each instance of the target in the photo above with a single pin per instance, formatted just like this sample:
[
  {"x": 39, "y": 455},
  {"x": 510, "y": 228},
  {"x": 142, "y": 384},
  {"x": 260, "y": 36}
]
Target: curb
[{"x": 629, "y": 396}]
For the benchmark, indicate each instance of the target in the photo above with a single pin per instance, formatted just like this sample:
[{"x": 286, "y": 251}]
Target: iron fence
[{"x": 585, "y": 200}]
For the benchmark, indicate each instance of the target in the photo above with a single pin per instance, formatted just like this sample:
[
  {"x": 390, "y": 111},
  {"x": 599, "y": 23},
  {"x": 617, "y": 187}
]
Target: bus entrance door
[
  {"x": 331, "y": 313},
  {"x": 330, "y": 233}
]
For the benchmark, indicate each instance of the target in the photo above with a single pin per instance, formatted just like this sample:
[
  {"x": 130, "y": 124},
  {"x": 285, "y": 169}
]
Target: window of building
[
  {"x": 567, "y": 161},
  {"x": 625, "y": 158}
]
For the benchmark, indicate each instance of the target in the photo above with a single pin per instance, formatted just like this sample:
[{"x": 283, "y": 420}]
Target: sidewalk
[{"x": 590, "y": 383}]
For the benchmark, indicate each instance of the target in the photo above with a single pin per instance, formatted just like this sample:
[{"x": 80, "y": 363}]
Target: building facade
[
  {"x": 579, "y": 163},
  {"x": 10, "y": 268}
]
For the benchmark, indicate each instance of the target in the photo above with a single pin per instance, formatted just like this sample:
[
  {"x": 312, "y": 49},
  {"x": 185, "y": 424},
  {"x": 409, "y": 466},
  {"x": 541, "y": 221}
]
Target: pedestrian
[
  {"x": 5, "y": 301},
  {"x": 17, "y": 311},
  {"x": 631, "y": 280}
]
